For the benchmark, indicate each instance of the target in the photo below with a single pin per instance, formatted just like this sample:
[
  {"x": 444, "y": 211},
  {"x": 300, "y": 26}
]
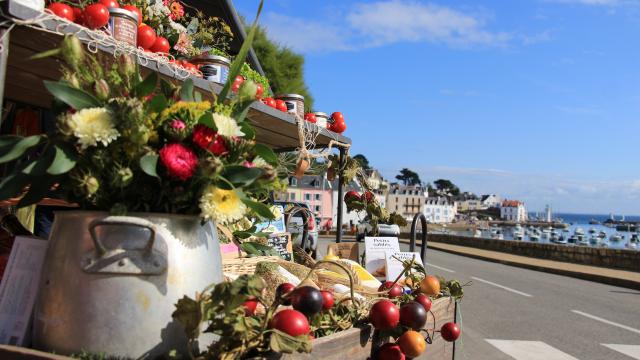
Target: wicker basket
[{"x": 245, "y": 266}]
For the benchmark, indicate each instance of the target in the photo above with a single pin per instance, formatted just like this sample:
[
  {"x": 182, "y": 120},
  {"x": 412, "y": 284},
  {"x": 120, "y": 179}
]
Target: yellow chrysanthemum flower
[
  {"x": 222, "y": 206},
  {"x": 92, "y": 126}
]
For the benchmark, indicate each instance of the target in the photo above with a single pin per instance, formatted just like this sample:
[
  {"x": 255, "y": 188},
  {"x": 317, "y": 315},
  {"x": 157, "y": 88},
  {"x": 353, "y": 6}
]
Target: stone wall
[{"x": 604, "y": 257}]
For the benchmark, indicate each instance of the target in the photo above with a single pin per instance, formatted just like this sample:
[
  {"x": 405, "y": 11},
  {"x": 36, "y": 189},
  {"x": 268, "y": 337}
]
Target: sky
[{"x": 536, "y": 100}]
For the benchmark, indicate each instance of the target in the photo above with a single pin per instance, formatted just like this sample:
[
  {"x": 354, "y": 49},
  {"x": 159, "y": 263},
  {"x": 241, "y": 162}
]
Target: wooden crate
[
  {"x": 352, "y": 344},
  {"x": 361, "y": 343}
]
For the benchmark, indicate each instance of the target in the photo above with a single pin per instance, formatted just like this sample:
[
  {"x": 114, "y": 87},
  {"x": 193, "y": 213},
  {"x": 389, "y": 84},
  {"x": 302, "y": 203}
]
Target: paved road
[{"x": 513, "y": 313}]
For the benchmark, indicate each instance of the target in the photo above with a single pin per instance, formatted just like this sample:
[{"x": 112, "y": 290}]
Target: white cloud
[
  {"x": 303, "y": 35},
  {"x": 381, "y": 23},
  {"x": 393, "y": 21}
]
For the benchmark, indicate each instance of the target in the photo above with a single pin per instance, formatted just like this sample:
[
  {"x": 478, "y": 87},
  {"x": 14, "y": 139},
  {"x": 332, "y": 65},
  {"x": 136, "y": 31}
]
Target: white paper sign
[
  {"x": 395, "y": 267},
  {"x": 375, "y": 248},
  {"x": 19, "y": 288}
]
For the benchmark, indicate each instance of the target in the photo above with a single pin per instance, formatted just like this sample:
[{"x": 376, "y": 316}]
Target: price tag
[
  {"x": 375, "y": 248},
  {"x": 282, "y": 244},
  {"x": 394, "y": 263},
  {"x": 275, "y": 225}
]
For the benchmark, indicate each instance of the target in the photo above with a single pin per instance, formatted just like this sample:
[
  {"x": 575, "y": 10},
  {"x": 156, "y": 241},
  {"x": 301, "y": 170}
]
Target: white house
[
  {"x": 490, "y": 201},
  {"x": 513, "y": 210},
  {"x": 440, "y": 210}
]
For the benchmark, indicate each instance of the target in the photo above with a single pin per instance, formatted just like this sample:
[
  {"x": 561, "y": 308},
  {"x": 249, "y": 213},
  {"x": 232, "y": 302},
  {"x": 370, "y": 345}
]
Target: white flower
[
  {"x": 259, "y": 162},
  {"x": 177, "y": 27},
  {"x": 92, "y": 126},
  {"x": 227, "y": 126},
  {"x": 222, "y": 206}
]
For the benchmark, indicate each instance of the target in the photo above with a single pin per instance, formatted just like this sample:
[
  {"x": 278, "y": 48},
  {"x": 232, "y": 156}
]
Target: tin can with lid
[
  {"x": 213, "y": 67},
  {"x": 322, "y": 119},
  {"x": 295, "y": 103},
  {"x": 123, "y": 25}
]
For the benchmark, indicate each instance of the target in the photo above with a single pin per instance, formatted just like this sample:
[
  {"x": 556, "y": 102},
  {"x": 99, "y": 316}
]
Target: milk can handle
[{"x": 125, "y": 221}]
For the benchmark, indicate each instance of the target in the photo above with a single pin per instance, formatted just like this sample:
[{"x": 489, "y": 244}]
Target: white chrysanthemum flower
[
  {"x": 222, "y": 206},
  {"x": 177, "y": 27},
  {"x": 92, "y": 126},
  {"x": 275, "y": 210},
  {"x": 259, "y": 162},
  {"x": 227, "y": 126}
]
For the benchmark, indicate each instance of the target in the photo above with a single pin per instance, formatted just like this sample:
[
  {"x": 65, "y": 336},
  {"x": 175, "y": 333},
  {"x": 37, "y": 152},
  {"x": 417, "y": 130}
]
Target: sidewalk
[{"x": 615, "y": 277}]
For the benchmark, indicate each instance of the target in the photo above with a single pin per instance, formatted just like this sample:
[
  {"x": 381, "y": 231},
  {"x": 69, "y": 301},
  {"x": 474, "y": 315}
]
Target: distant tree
[
  {"x": 363, "y": 161},
  {"x": 283, "y": 67},
  {"x": 446, "y": 187},
  {"x": 409, "y": 177}
]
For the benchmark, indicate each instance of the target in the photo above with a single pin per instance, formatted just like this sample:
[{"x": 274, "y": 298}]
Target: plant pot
[{"x": 110, "y": 283}]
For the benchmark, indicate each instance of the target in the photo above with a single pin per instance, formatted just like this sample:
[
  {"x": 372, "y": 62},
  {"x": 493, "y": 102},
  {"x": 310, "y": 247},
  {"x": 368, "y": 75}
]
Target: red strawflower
[
  {"x": 179, "y": 160},
  {"x": 206, "y": 138}
]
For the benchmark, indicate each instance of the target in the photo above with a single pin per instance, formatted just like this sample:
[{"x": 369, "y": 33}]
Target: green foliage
[
  {"x": 363, "y": 161},
  {"x": 283, "y": 67},
  {"x": 446, "y": 187},
  {"x": 409, "y": 177}
]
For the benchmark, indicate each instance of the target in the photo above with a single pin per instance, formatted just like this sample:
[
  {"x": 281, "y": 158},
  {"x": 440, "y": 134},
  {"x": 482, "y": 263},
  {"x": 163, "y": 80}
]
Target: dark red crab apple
[
  {"x": 327, "y": 299},
  {"x": 413, "y": 315},
  {"x": 384, "y": 315},
  {"x": 450, "y": 331},
  {"x": 307, "y": 300},
  {"x": 351, "y": 195},
  {"x": 394, "y": 290},
  {"x": 424, "y": 301},
  {"x": 390, "y": 351},
  {"x": 282, "y": 290},
  {"x": 250, "y": 306}
]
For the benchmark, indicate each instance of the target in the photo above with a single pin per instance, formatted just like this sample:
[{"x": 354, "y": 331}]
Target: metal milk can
[{"x": 110, "y": 283}]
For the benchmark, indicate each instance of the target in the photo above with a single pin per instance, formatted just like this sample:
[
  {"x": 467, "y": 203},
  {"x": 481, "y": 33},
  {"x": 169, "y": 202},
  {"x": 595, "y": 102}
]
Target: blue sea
[{"x": 575, "y": 222}]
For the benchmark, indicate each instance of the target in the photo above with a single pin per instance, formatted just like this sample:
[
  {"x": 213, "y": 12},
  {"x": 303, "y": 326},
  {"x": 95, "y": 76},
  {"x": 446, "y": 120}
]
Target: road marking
[
  {"x": 629, "y": 328},
  {"x": 440, "y": 267},
  {"x": 529, "y": 350},
  {"x": 501, "y": 286},
  {"x": 629, "y": 350}
]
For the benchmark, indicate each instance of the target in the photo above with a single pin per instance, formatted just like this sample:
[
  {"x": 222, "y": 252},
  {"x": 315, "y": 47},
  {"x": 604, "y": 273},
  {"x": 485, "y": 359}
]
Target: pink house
[{"x": 314, "y": 191}]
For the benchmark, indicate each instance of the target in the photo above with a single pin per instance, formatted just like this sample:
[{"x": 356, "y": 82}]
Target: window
[
  {"x": 292, "y": 196},
  {"x": 293, "y": 181},
  {"x": 318, "y": 197},
  {"x": 318, "y": 208},
  {"x": 307, "y": 197}
]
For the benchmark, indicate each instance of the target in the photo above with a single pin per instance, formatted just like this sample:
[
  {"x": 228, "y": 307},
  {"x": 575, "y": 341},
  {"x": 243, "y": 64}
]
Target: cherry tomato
[
  {"x": 239, "y": 79},
  {"x": 307, "y": 300},
  {"x": 146, "y": 36},
  {"x": 390, "y": 351},
  {"x": 62, "y": 10},
  {"x": 353, "y": 195},
  {"x": 284, "y": 289},
  {"x": 161, "y": 45},
  {"x": 384, "y": 315},
  {"x": 450, "y": 331},
  {"x": 291, "y": 322},
  {"x": 395, "y": 290},
  {"x": 327, "y": 299},
  {"x": 110, "y": 3},
  {"x": 250, "y": 306},
  {"x": 337, "y": 116},
  {"x": 281, "y": 105},
  {"x": 413, "y": 315},
  {"x": 78, "y": 15},
  {"x": 430, "y": 285},
  {"x": 310, "y": 117},
  {"x": 270, "y": 102},
  {"x": 424, "y": 301},
  {"x": 412, "y": 343},
  {"x": 135, "y": 10},
  {"x": 96, "y": 16},
  {"x": 338, "y": 127},
  {"x": 259, "y": 91}
]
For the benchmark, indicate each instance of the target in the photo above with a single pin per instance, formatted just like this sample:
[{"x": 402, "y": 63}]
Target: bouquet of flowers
[{"x": 124, "y": 143}]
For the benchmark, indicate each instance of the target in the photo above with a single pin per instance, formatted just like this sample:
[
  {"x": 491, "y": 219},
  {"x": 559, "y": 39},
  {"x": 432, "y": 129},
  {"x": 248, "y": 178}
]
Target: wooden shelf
[{"x": 23, "y": 81}]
